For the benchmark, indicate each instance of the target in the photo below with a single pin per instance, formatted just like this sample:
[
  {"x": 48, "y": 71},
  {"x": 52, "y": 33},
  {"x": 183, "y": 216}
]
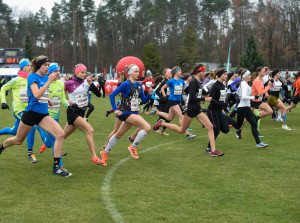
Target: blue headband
[
  {"x": 53, "y": 67},
  {"x": 23, "y": 63}
]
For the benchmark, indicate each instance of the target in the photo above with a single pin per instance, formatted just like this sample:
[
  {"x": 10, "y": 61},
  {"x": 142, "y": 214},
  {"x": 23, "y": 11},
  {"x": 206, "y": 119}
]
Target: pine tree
[
  {"x": 189, "y": 49},
  {"x": 151, "y": 57},
  {"x": 252, "y": 57},
  {"x": 28, "y": 48}
]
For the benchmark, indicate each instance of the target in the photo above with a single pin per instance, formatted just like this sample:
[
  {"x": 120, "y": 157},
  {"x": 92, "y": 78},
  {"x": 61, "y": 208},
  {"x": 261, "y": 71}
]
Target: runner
[
  {"x": 243, "y": 109},
  {"x": 193, "y": 110},
  {"x": 131, "y": 93},
  {"x": 176, "y": 87},
  {"x": 147, "y": 84},
  {"x": 36, "y": 113},
  {"x": 296, "y": 97},
  {"x": 77, "y": 89}
]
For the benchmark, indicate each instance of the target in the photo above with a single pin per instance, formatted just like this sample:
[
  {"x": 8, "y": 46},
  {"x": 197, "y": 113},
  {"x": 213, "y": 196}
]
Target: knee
[
  {"x": 18, "y": 142},
  {"x": 270, "y": 111},
  {"x": 90, "y": 131},
  {"x": 210, "y": 127},
  {"x": 147, "y": 128},
  {"x": 60, "y": 135}
]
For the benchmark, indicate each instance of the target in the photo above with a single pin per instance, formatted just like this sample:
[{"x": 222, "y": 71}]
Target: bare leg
[
  {"x": 203, "y": 119},
  {"x": 22, "y": 132}
]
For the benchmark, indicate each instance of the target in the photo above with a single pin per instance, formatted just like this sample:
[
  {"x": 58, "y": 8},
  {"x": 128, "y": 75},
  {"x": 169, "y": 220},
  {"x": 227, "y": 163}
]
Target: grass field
[{"x": 173, "y": 181}]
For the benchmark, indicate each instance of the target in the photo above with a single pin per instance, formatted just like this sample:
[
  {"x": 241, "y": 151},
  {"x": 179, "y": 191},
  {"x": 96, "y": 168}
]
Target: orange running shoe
[
  {"x": 104, "y": 158},
  {"x": 133, "y": 152},
  {"x": 97, "y": 160},
  {"x": 42, "y": 149}
]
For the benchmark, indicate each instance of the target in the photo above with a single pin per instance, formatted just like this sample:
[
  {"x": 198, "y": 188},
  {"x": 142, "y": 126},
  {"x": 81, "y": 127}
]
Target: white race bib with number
[
  {"x": 199, "y": 94},
  {"x": 148, "y": 84},
  {"x": 45, "y": 97},
  {"x": 260, "y": 97},
  {"x": 222, "y": 95},
  {"x": 23, "y": 95},
  {"x": 178, "y": 90},
  {"x": 82, "y": 100},
  {"x": 56, "y": 103},
  {"x": 289, "y": 87},
  {"x": 134, "y": 104}
]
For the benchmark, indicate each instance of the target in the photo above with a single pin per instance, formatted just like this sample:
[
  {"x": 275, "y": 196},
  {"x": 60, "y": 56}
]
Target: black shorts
[
  {"x": 173, "y": 103},
  {"x": 295, "y": 99},
  {"x": 32, "y": 118},
  {"x": 255, "y": 104},
  {"x": 123, "y": 117},
  {"x": 73, "y": 114},
  {"x": 163, "y": 106},
  {"x": 193, "y": 113}
]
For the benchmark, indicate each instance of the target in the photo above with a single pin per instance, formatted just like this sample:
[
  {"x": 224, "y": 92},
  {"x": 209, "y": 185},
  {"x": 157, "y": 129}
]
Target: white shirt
[{"x": 244, "y": 93}]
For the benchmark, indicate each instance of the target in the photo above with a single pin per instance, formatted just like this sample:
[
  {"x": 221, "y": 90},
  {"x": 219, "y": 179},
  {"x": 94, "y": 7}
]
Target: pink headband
[
  {"x": 168, "y": 72},
  {"x": 80, "y": 68}
]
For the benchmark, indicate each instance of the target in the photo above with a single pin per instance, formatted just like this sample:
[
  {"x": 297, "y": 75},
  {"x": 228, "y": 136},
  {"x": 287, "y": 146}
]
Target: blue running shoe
[
  {"x": 189, "y": 129},
  {"x": 262, "y": 145},
  {"x": 61, "y": 172},
  {"x": 260, "y": 136},
  {"x": 118, "y": 103},
  {"x": 32, "y": 158}
]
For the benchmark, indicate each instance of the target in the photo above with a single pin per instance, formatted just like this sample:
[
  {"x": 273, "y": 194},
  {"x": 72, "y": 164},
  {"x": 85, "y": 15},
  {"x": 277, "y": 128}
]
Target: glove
[
  {"x": 4, "y": 106},
  {"x": 256, "y": 97}
]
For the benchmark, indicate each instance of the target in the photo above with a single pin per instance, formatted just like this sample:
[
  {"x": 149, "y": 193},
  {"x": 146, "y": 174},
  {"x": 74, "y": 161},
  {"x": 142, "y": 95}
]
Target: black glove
[
  {"x": 256, "y": 97},
  {"x": 4, "y": 106}
]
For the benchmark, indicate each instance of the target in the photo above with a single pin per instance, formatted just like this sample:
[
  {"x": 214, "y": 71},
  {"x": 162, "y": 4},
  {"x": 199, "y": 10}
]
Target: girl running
[
  {"x": 193, "y": 110},
  {"x": 77, "y": 89},
  {"x": 243, "y": 109},
  {"x": 176, "y": 86},
  {"x": 36, "y": 113},
  {"x": 274, "y": 100},
  {"x": 131, "y": 93},
  {"x": 296, "y": 97}
]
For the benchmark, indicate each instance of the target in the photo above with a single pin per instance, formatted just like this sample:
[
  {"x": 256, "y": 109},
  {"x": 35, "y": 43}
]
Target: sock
[
  {"x": 111, "y": 143},
  {"x": 139, "y": 138},
  {"x": 30, "y": 152},
  {"x": 1, "y": 148},
  {"x": 56, "y": 162},
  {"x": 278, "y": 115}
]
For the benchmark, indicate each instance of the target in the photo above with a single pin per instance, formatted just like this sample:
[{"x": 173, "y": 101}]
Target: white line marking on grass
[
  {"x": 117, "y": 217},
  {"x": 106, "y": 182}
]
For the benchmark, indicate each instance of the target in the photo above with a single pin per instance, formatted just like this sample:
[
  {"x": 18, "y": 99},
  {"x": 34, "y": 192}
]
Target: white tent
[{"x": 8, "y": 71}]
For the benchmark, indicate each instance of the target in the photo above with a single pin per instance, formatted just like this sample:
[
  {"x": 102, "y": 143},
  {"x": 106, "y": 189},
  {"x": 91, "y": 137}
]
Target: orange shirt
[
  {"x": 296, "y": 84},
  {"x": 258, "y": 88}
]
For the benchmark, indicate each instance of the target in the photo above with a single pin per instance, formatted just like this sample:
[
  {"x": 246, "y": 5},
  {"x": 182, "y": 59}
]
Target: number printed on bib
[
  {"x": 222, "y": 95},
  {"x": 178, "y": 90},
  {"x": 56, "y": 103},
  {"x": 134, "y": 104},
  {"x": 148, "y": 84},
  {"x": 199, "y": 94},
  {"x": 45, "y": 97},
  {"x": 82, "y": 100},
  {"x": 23, "y": 95}
]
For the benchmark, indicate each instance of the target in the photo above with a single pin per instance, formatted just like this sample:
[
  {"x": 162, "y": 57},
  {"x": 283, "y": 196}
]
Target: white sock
[
  {"x": 139, "y": 138},
  {"x": 111, "y": 143}
]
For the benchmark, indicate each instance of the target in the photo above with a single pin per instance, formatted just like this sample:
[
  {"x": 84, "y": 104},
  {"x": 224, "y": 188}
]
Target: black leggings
[
  {"x": 242, "y": 113},
  {"x": 91, "y": 109},
  {"x": 231, "y": 99},
  {"x": 102, "y": 87},
  {"x": 150, "y": 103},
  {"x": 219, "y": 121}
]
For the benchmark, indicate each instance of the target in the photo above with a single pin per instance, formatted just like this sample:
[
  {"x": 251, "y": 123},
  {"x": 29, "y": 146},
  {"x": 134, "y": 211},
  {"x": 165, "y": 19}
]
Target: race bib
[
  {"x": 56, "y": 103},
  {"x": 178, "y": 90},
  {"x": 82, "y": 100},
  {"x": 222, "y": 95},
  {"x": 23, "y": 95},
  {"x": 134, "y": 104},
  {"x": 199, "y": 94},
  {"x": 168, "y": 92},
  {"x": 45, "y": 97},
  {"x": 289, "y": 87},
  {"x": 148, "y": 84},
  {"x": 260, "y": 97}
]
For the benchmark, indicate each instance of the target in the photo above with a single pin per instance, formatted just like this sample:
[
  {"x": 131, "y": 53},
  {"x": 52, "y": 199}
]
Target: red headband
[{"x": 203, "y": 68}]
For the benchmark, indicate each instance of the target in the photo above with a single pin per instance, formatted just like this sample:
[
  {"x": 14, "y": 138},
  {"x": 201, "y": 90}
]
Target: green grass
[{"x": 175, "y": 182}]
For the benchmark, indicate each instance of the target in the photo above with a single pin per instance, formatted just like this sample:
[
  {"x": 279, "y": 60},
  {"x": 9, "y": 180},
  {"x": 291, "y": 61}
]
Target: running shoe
[
  {"x": 262, "y": 145},
  {"x": 157, "y": 125},
  {"x": 189, "y": 129},
  {"x": 147, "y": 113},
  {"x": 42, "y": 149},
  {"x": 238, "y": 134},
  {"x": 107, "y": 113},
  {"x": 32, "y": 158},
  {"x": 164, "y": 133},
  {"x": 104, "y": 158},
  {"x": 279, "y": 119},
  {"x": 230, "y": 126},
  {"x": 130, "y": 139},
  {"x": 216, "y": 153},
  {"x": 61, "y": 172},
  {"x": 208, "y": 150},
  {"x": 133, "y": 152},
  {"x": 97, "y": 160},
  {"x": 153, "y": 112},
  {"x": 191, "y": 136},
  {"x": 260, "y": 136},
  {"x": 285, "y": 127},
  {"x": 63, "y": 153}
]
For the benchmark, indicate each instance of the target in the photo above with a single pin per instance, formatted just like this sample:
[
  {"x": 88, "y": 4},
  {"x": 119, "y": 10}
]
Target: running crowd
[{"x": 234, "y": 99}]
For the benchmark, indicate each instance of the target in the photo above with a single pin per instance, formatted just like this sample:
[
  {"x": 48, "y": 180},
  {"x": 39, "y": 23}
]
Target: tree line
[{"x": 163, "y": 32}]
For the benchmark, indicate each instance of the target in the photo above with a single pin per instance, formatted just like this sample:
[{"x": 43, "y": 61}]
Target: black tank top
[{"x": 132, "y": 101}]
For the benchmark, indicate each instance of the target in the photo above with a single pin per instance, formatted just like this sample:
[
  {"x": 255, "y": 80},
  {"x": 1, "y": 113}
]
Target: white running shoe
[{"x": 285, "y": 127}]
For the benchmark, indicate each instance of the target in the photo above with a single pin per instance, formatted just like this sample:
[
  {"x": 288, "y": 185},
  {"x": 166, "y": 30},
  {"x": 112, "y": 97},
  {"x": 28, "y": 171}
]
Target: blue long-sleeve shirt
[
  {"x": 234, "y": 83},
  {"x": 124, "y": 88}
]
